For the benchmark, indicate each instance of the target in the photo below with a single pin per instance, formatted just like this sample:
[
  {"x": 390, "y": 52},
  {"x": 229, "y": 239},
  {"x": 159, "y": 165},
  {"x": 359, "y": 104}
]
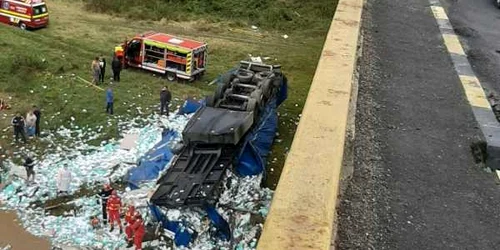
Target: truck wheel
[
  {"x": 245, "y": 76},
  {"x": 219, "y": 91},
  {"x": 261, "y": 76},
  {"x": 171, "y": 76},
  {"x": 266, "y": 88},
  {"x": 257, "y": 95},
  {"x": 22, "y": 26},
  {"x": 210, "y": 101},
  {"x": 251, "y": 105}
]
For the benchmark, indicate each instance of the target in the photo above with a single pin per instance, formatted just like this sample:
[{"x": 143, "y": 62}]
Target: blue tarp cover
[
  {"x": 153, "y": 163},
  {"x": 190, "y": 106}
]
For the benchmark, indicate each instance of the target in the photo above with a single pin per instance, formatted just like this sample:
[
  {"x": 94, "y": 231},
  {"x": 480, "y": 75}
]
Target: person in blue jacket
[{"x": 109, "y": 101}]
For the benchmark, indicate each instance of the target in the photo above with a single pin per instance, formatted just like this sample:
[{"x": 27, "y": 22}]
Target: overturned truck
[{"x": 234, "y": 131}]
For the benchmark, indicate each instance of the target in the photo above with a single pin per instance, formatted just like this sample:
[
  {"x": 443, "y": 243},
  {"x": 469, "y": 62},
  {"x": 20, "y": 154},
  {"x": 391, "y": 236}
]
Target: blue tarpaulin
[
  {"x": 153, "y": 163},
  {"x": 258, "y": 142},
  {"x": 190, "y": 106},
  {"x": 182, "y": 236}
]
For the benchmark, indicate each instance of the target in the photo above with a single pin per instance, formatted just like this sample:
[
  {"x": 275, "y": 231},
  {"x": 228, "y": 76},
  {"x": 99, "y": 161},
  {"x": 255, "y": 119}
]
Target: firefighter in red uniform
[
  {"x": 139, "y": 231},
  {"x": 114, "y": 205},
  {"x": 130, "y": 219}
]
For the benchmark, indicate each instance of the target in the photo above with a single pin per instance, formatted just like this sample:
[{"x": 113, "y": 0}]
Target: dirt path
[{"x": 12, "y": 233}]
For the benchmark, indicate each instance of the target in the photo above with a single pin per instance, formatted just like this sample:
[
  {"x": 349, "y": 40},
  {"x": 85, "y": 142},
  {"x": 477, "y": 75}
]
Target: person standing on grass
[
  {"x": 18, "y": 124},
  {"x": 102, "y": 67},
  {"x": 30, "y": 123},
  {"x": 38, "y": 114},
  {"x": 116, "y": 66},
  {"x": 165, "y": 98},
  {"x": 109, "y": 100},
  {"x": 96, "y": 71},
  {"x": 29, "y": 165}
]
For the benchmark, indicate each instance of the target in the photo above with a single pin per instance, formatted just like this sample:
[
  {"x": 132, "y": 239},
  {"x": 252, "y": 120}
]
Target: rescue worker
[
  {"x": 165, "y": 98},
  {"x": 18, "y": 125},
  {"x": 114, "y": 205},
  {"x": 102, "y": 67},
  {"x": 139, "y": 231},
  {"x": 104, "y": 194},
  {"x": 130, "y": 219},
  {"x": 116, "y": 66}
]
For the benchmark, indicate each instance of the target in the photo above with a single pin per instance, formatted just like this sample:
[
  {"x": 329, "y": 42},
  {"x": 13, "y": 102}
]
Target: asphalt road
[
  {"x": 415, "y": 184},
  {"x": 477, "y": 22}
]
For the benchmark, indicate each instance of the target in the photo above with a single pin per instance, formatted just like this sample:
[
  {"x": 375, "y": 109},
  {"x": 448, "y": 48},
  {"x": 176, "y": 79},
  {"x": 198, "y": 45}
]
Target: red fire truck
[
  {"x": 173, "y": 56},
  {"x": 24, "y": 13}
]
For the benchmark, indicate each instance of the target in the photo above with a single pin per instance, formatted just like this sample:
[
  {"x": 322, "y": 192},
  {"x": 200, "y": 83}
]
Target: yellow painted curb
[{"x": 303, "y": 209}]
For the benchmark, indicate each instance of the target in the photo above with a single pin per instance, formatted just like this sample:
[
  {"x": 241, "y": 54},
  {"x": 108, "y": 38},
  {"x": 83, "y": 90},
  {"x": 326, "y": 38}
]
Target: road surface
[
  {"x": 478, "y": 24},
  {"x": 415, "y": 184}
]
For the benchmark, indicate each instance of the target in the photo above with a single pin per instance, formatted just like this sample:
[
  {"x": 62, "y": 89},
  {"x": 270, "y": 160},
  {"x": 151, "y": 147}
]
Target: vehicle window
[{"x": 42, "y": 9}]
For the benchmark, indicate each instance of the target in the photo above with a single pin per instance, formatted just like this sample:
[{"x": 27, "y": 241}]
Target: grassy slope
[{"x": 75, "y": 36}]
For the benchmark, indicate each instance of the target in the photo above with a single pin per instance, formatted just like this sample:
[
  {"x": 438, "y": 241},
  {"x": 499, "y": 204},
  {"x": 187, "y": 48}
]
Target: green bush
[{"x": 272, "y": 14}]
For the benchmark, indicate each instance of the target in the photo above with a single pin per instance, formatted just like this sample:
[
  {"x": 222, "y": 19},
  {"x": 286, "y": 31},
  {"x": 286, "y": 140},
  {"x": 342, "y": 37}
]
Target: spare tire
[
  {"x": 245, "y": 76},
  {"x": 261, "y": 76},
  {"x": 251, "y": 105}
]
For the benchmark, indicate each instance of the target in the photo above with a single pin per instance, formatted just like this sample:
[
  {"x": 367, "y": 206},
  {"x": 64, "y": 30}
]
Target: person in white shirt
[
  {"x": 30, "y": 123},
  {"x": 63, "y": 180}
]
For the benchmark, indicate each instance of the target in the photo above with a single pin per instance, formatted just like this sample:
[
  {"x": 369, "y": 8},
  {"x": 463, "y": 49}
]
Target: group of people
[
  {"x": 111, "y": 209},
  {"x": 27, "y": 126},
  {"x": 98, "y": 68}
]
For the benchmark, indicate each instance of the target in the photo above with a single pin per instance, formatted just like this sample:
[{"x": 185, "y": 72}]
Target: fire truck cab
[
  {"x": 162, "y": 53},
  {"x": 24, "y": 13}
]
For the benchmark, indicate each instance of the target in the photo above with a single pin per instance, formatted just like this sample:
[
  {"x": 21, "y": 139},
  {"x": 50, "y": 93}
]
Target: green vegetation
[
  {"x": 286, "y": 15},
  {"x": 37, "y": 67}
]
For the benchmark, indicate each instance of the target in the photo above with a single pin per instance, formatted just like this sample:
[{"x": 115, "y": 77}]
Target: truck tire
[
  {"x": 266, "y": 88},
  {"x": 261, "y": 76},
  {"x": 210, "y": 101},
  {"x": 22, "y": 26},
  {"x": 257, "y": 95},
  {"x": 251, "y": 105},
  {"x": 277, "y": 82},
  {"x": 171, "y": 76},
  {"x": 245, "y": 76},
  {"x": 219, "y": 91}
]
